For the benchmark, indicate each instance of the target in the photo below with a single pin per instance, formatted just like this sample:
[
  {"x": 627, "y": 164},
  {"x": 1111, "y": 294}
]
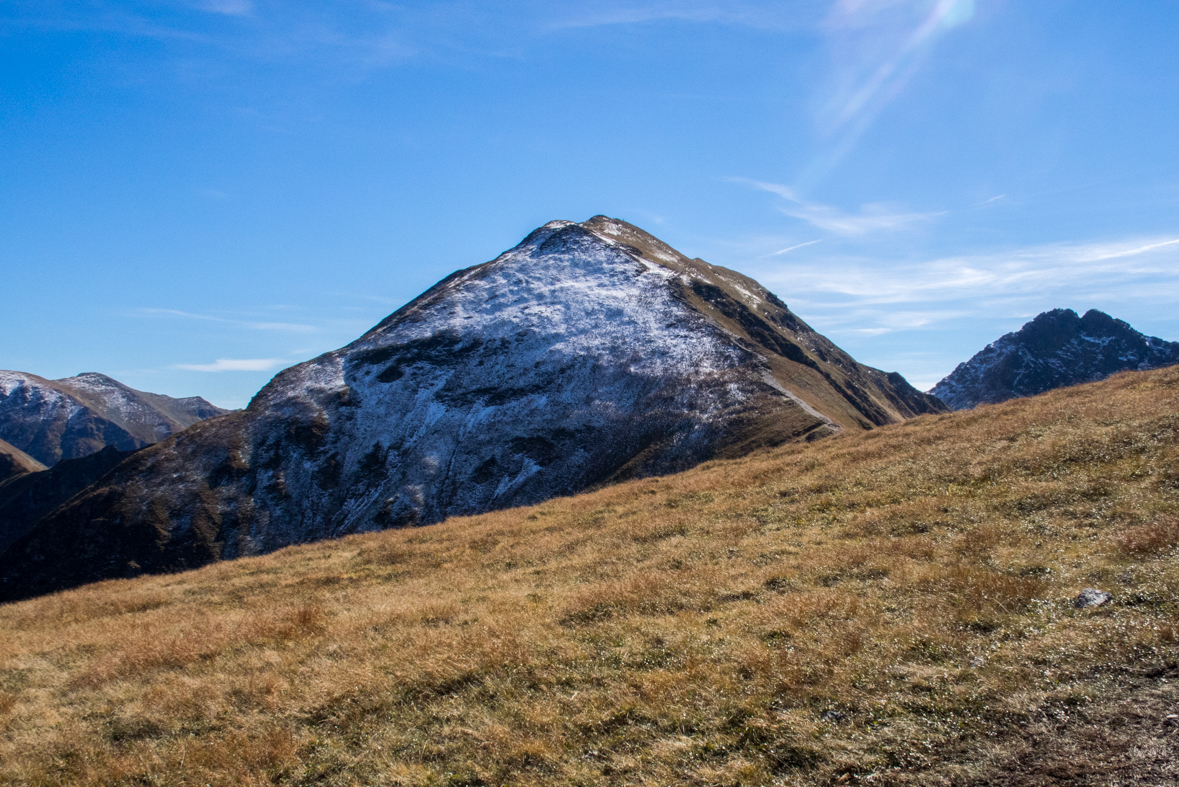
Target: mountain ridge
[
  {"x": 587, "y": 354},
  {"x": 1055, "y": 349},
  {"x": 27, "y": 497},
  {"x": 51, "y": 420},
  {"x": 14, "y": 462}
]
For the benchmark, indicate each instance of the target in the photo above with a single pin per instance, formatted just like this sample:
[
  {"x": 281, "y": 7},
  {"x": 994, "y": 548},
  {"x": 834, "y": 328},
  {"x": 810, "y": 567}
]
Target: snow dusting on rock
[
  {"x": 53, "y": 420},
  {"x": 1055, "y": 349},
  {"x": 589, "y": 353}
]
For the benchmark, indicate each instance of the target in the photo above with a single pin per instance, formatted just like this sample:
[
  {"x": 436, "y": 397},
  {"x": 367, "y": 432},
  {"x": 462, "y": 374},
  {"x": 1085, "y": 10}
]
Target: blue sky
[{"x": 197, "y": 193}]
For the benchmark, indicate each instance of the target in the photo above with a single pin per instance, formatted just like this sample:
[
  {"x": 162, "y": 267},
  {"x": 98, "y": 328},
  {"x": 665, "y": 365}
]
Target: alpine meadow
[{"x": 893, "y": 606}]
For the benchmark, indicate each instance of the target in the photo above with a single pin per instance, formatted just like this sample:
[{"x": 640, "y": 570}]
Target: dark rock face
[
  {"x": 51, "y": 420},
  {"x": 1056, "y": 349},
  {"x": 589, "y": 353}
]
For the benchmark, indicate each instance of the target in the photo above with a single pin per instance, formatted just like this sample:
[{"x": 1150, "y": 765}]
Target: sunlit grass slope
[{"x": 889, "y": 607}]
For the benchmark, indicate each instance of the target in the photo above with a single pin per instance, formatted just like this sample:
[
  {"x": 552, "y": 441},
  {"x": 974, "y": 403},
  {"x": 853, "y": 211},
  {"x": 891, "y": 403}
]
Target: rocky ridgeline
[{"x": 1056, "y": 349}]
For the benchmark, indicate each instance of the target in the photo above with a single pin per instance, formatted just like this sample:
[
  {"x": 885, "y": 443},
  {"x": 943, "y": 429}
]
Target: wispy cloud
[
  {"x": 978, "y": 282},
  {"x": 876, "y": 322},
  {"x": 347, "y": 41},
  {"x": 871, "y": 218},
  {"x": 227, "y": 7},
  {"x": 342, "y": 39},
  {"x": 789, "y": 249},
  {"x": 633, "y": 16},
  {"x": 875, "y": 47},
  {"x": 120, "y": 19},
  {"x": 233, "y": 365},
  {"x": 755, "y": 15},
  {"x": 290, "y": 327},
  {"x": 1113, "y": 253},
  {"x": 893, "y": 33}
]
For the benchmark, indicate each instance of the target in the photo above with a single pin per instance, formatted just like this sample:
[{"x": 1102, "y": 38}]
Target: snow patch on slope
[{"x": 474, "y": 397}]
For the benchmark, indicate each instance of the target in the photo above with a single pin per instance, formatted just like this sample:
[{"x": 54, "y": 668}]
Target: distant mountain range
[
  {"x": 73, "y": 432},
  {"x": 51, "y": 420},
  {"x": 587, "y": 354},
  {"x": 1055, "y": 349}
]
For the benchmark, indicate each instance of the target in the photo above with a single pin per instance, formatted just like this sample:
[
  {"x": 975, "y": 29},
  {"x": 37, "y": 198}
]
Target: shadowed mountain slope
[
  {"x": 1056, "y": 349},
  {"x": 588, "y": 354},
  {"x": 14, "y": 462},
  {"x": 51, "y": 420},
  {"x": 27, "y": 497}
]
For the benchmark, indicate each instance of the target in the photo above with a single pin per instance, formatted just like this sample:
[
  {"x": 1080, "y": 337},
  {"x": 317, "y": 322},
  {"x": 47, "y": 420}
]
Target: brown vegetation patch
[{"x": 1159, "y": 536}]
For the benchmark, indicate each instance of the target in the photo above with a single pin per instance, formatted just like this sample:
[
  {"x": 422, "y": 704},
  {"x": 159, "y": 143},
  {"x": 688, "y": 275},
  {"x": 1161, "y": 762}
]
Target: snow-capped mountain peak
[
  {"x": 69, "y": 418},
  {"x": 590, "y": 352}
]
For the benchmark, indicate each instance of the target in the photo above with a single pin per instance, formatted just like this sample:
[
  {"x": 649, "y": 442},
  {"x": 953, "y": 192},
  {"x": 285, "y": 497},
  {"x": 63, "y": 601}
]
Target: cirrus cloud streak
[
  {"x": 1038, "y": 270},
  {"x": 872, "y": 217},
  {"x": 288, "y": 327},
  {"x": 233, "y": 365}
]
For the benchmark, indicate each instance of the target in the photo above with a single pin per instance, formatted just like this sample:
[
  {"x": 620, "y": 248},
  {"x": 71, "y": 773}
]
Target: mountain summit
[
  {"x": 1055, "y": 349},
  {"x": 589, "y": 353}
]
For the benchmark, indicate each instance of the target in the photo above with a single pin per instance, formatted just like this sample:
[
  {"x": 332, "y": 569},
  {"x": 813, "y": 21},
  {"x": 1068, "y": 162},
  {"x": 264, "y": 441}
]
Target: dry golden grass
[{"x": 889, "y": 607}]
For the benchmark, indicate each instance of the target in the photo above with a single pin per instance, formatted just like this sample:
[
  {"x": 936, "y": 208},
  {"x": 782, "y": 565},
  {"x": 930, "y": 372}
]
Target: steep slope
[
  {"x": 51, "y": 420},
  {"x": 587, "y": 354},
  {"x": 14, "y": 462},
  {"x": 1056, "y": 349},
  {"x": 27, "y": 497}
]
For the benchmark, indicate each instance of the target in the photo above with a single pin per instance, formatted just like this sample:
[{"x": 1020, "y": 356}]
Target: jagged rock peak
[{"x": 1057, "y": 348}]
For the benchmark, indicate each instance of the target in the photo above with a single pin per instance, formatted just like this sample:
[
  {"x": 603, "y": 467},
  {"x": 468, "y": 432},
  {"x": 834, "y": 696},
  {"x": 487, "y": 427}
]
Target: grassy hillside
[{"x": 891, "y": 607}]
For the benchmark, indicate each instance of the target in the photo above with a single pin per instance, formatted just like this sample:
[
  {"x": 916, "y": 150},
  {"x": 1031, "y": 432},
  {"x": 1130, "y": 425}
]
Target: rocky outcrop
[
  {"x": 1091, "y": 597},
  {"x": 51, "y": 420},
  {"x": 589, "y": 353},
  {"x": 1056, "y": 349}
]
